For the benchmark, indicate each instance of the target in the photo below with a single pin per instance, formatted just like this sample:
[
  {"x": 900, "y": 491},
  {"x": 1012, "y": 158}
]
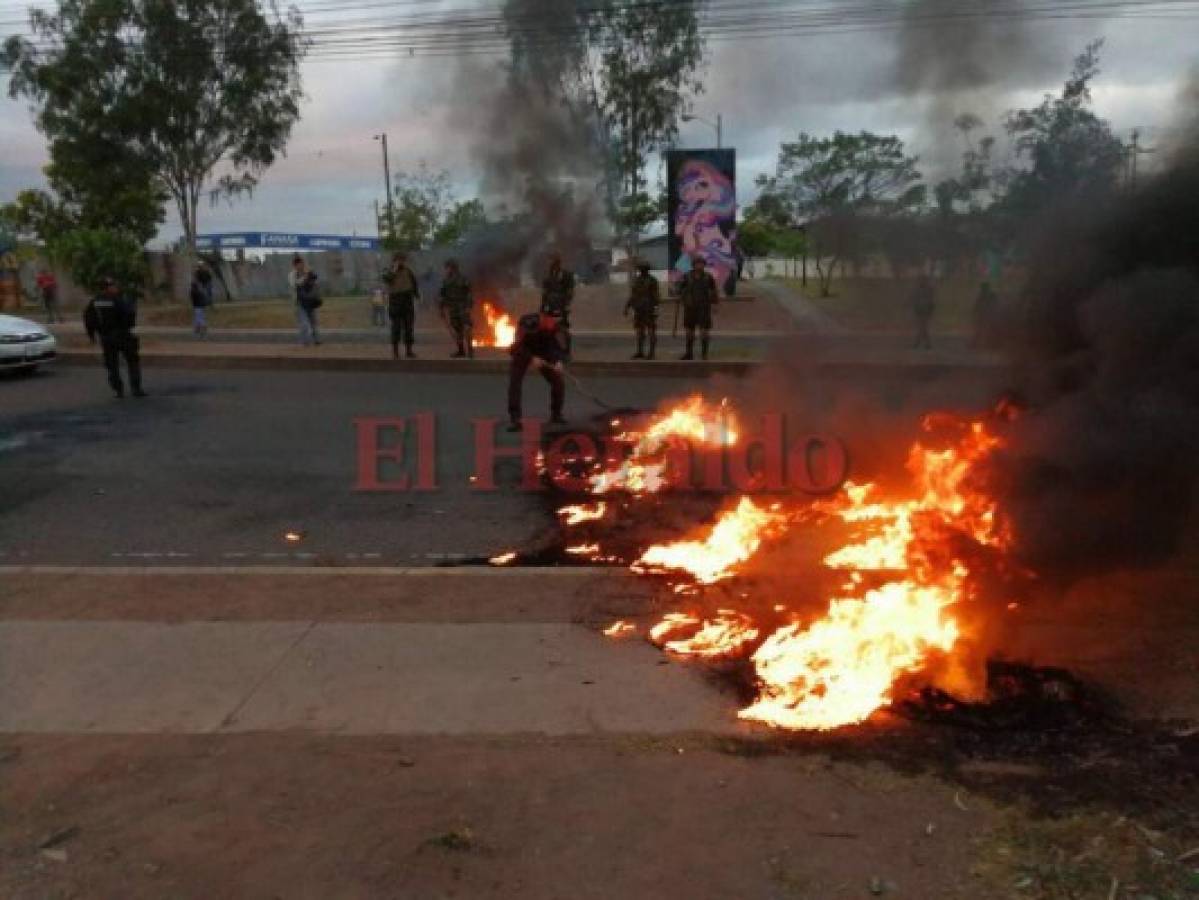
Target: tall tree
[
  {"x": 172, "y": 90},
  {"x": 627, "y": 71},
  {"x": 833, "y": 186},
  {"x": 643, "y": 67},
  {"x": 1067, "y": 152}
]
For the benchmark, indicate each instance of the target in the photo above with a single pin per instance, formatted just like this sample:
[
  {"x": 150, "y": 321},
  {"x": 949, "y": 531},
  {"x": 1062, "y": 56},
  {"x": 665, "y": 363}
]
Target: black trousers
[
  {"x": 401, "y": 310},
  {"x": 516, "y": 378},
  {"x": 115, "y": 346}
]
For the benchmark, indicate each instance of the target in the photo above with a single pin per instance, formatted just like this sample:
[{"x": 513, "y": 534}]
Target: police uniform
[
  {"x": 643, "y": 301},
  {"x": 698, "y": 294},
  {"x": 534, "y": 341},
  {"x": 113, "y": 318},
  {"x": 402, "y": 293},
  {"x": 557, "y": 294},
  {"x": 456, "y": 303}
]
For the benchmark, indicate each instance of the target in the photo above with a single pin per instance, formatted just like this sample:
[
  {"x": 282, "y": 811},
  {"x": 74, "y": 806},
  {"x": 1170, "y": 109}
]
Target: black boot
[
  {"x": 703, "y": 348},
  {"x": 653, "y": 344},
  {"x": 409, "y": 352},
  {"x": 690, "y": 347},
  {"x": 395, "y": 351},
  {"x": 640, "y": 354}
]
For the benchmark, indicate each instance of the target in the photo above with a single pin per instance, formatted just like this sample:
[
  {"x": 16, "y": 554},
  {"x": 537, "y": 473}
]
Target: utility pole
[
  {"x": 391, "y": 222},
  {"x": 719, "y": 130},
  {"x": 378, "y": 221}
]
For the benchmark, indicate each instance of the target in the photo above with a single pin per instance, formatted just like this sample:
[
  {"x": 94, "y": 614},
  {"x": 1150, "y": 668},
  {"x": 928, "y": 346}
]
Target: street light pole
[
  {"x": 391, "y": 222},
  {"x": 718, "y": 125}
]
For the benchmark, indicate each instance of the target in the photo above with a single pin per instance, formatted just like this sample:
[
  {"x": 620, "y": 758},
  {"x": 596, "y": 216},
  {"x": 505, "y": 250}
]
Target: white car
[{"x": 24, "y": 345}]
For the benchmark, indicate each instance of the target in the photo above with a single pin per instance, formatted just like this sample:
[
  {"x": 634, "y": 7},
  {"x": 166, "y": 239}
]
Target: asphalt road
[{"x": 215, "y": 467}]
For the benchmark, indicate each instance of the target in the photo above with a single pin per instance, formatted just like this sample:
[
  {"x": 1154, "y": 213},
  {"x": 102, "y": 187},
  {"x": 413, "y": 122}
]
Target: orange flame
[
  {"x": 646, "y": 469},
  {"x": 736, "y": 536},
  {"x": 500, "y": 328},
  {"x": 723, "y": 635}
]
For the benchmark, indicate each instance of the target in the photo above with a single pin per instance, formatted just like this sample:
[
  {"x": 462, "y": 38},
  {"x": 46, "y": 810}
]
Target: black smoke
[{"x": 1101, "y": 470}]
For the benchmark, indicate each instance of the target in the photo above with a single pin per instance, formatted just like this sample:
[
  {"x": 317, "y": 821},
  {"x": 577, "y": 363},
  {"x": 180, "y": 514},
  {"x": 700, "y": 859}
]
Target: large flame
[
  {"x": 500, "y": 328},
  {"x": 736, "y": 536},
  {"x": 647, "y": 468},
  {"x": 906, "y": 567}
]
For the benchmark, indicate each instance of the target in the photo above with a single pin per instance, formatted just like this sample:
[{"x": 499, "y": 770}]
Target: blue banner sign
[{"x": 274, "y": 240}]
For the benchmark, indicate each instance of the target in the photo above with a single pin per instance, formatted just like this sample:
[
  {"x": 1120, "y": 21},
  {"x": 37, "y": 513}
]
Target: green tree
[
  {"x": 90, "y": 254},
  {"x": 835, "y": 186},
  {"x": 1067, "y": 152},
  {"x": 626, "y": 73},
  {"x": 643, "y": 67},
  {"x": 159, "y": 94},
  {"x": 460, "y": 220}
]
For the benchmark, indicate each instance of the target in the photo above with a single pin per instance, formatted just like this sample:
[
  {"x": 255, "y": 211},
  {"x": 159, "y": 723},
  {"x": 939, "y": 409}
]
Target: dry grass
[
  {"x": 881, "y": 304},
  {"x": 1086, "y": 856}
]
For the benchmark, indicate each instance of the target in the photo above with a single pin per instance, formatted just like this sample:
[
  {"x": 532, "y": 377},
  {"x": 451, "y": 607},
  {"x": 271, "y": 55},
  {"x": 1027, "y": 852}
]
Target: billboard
[
  {"x": 277, "y": 241},
  {"x": 702, "y": 186}
]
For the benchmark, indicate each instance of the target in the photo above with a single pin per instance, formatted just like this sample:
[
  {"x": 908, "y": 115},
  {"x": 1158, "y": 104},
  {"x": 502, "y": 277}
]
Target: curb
[{"x": 608, "y": 368}]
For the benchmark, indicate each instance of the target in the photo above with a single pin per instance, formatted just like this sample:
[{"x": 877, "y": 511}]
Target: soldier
[
  {"x": 403, "y": 290},
  {"x": 113, "y": 317},
  {"x": 538, "y": 344},
  {"x": 557, "y": 294},
  {"x": 643, "y": 301},
  {"x": 924, "y": 304},
  {"x": 455, "y": 306},
  {"x": 698, "y": 294}
]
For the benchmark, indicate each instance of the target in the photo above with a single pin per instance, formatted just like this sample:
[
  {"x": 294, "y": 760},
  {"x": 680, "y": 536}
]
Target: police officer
[
  {"x": 643, "y": 301},
  {"x": 557, "y": 294},
  {"x": 539, "y": 344},
  {"x": 697, "y": 293},
  {"x": 113, "y": 317},
  {"x": 455, "y": 306},
  {"x": 403, "y": 290}
]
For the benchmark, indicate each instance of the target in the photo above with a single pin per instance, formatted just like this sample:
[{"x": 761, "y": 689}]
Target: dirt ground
[{"x": 305, "y": 816}]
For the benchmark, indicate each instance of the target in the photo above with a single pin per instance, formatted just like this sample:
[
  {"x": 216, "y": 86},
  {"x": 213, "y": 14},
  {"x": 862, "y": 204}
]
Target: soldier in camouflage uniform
[
  {"x": 643, "y": 301},
  {"x": 455, "y": 306},
  {"x": 557, "y": 294},
  {"x": 698, "y": 294}
]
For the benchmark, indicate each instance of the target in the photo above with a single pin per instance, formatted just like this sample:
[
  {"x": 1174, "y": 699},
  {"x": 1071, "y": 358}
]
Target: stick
[{"x": 583, "y": 391}]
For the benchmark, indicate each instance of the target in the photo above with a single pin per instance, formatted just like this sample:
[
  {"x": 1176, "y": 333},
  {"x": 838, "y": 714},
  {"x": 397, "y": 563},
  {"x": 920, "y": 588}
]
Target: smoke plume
[
  {"x": 1101, "y": 472},
  {"x": 534, "y": 142}
]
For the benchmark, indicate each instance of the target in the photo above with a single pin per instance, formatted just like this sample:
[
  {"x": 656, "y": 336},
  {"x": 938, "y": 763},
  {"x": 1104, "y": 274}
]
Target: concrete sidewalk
[{"x": 344, "y": 678}]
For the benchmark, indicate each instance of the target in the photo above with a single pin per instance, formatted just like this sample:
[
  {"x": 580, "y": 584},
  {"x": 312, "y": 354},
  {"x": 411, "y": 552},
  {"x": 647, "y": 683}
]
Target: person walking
[
  {"x": 307, "y": 299},
  {"x": 924, "y": 304},
  {"x": 538, "y": 345},
  {"x": 378, "y": 307},
  {"x": 201, "y": 297},
  {"x": 455, "y": 307},
  {"x": 111, "y": 316},
  {"x": 403, "y": 292},
  {"x": 698, "y": 294},
  {"x": 47, "y": 287},
  {"x": 644, "y": 298}
]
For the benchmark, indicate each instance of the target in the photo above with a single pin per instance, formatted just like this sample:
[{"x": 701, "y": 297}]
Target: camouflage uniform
[
  {"x": 557, "y": 294},
  {"x": 402, "y": 292},
  {"x": 456, "y": 303},
  {"x": 698, "y": 294},
  {"x": 643, "y": 301}
]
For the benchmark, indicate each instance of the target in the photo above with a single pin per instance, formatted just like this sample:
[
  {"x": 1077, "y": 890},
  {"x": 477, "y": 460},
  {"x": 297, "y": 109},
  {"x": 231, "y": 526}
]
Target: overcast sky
[{"x": 766, "y": 89}]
